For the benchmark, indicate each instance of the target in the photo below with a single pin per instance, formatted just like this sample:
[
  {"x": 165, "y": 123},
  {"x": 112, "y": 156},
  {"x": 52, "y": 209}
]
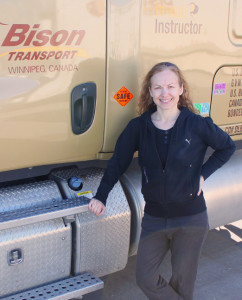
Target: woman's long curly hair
[{"x": 146, "y": 103}]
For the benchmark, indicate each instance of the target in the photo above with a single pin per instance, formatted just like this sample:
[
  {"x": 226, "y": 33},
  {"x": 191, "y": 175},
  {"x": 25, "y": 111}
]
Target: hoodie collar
[
  {"x": 147, "y": 115},
  {"x": 148, "y": 123}
]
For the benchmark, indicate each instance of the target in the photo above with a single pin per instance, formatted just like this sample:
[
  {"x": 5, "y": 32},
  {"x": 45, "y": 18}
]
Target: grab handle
[{"x": 83, "y": 103}]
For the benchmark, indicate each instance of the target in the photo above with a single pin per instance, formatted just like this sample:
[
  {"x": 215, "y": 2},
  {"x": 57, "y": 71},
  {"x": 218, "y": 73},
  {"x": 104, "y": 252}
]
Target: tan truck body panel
[
  {"x": 35, "y": 103},
  {"x": 121, "y": 41},
  {"x": 70, "y": 75}
]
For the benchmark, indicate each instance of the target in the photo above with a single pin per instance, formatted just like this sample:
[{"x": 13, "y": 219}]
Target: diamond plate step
[
  {"x": 42, "y": 212},
  {"x": 62, "y": 290}
]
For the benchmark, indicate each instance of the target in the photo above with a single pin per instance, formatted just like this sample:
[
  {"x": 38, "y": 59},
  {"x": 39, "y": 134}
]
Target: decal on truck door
[
  {"x": 123, "y": 96},
  {"x": 38, "y": 45},
  {"x": 226, "y": 108}
]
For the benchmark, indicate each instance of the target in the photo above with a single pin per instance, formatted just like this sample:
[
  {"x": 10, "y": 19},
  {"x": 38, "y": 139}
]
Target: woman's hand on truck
[{"x": 97, "y": 207}]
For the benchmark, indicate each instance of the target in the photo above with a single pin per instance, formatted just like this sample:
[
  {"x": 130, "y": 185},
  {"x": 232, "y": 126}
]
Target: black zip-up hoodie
[{"x": 170, "y": 191}]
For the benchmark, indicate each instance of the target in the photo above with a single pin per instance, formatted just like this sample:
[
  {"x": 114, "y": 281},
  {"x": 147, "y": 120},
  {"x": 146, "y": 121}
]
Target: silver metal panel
[
  {"x": 46, "y": 253},
  {"x": 62, "y": 290},
  {"x": 102, "y": 243},
  {"x": 43, "y": 212},
  {"x": 131, "y": 182},
  {"x": 26, "y": 195},
  {"x": 30, "y": 203},
  {"x": 223, "y": 193}
]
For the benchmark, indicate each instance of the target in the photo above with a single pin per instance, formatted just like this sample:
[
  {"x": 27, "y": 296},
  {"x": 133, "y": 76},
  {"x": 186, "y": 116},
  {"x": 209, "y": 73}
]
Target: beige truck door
[{"x": 52, "y": 81}]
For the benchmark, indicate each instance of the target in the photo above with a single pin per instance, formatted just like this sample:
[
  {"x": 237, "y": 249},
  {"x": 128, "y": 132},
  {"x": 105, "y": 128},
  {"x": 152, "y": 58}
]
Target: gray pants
[{"x": 184, "y": 236}]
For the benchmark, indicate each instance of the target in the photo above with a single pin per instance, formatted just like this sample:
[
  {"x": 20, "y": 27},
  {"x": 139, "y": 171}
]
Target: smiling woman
[
  {"x": 172, "y": 141},
  {"x": 165, "y": 90},
  {"x": 177, "y": 79}
]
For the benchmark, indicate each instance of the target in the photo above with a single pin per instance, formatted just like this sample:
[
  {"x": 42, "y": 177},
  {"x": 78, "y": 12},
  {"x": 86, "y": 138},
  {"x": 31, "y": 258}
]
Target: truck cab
[{"x": 70, "y": 78}]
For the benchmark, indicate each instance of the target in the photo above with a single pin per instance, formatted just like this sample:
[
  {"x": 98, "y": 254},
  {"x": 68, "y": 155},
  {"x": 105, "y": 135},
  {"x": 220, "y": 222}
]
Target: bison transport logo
[
  {"x": 23, "y": 34},
  {"x": 42, "y": 44}
]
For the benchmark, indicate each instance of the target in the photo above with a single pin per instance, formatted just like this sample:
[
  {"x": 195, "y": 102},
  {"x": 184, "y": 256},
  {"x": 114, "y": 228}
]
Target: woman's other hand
[
  {"x": 97, "y": 207},
  {"x": 200, "y": 185}
]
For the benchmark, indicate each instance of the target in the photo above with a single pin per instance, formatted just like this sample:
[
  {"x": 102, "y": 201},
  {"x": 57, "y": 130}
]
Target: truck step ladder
[
  {"x": 43, "y": 212},
  {"x": 73, "y": 287}
]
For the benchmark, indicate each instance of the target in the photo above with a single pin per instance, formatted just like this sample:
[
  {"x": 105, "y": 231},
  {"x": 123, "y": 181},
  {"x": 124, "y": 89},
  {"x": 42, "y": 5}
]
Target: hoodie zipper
[
  {"x": 146, "y": 177},
  {"x": 163, "y": 172},
  {"x": 164, "y": 168}
]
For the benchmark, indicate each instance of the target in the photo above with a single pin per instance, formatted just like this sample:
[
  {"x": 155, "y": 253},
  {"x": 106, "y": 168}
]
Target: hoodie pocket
[
  {"x": 180, "y": 185},
  {"x": 152, "y": 191}
]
